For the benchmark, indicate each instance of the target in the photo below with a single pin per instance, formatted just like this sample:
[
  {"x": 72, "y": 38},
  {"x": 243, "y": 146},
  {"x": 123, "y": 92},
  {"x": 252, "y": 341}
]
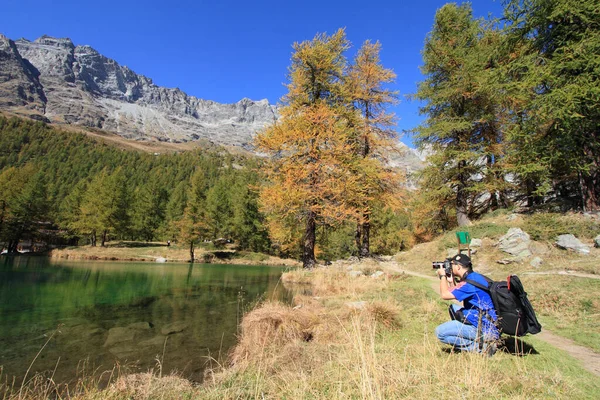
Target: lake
[{"x": 88, "y": 316}]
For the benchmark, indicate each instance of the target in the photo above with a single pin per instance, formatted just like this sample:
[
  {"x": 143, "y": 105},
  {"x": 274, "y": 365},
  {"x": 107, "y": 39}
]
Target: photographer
[{"x": 473, "y": 326}]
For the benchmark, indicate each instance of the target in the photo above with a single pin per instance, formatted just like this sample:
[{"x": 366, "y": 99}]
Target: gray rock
[
  {"x": 125, "y": 351},
  {"x": 516, "y": 243},
  {"x": 140, "y": 325},
  {"x": 175, "y": 327},
  {"x": 377, "y": 274},
  {"x": 570, "y": 242},
  {"x": 157, "y": 341},
  {"x": 83, "y": 87},
  {"x": 355, "y": 274},
  {"x": 119, "y": 335},
  {"x": 476, "y": 243},
  {"x": 597, "y": 241},
  {"x": 536, "y": 262},
  {"x": 20, "y": 88}
]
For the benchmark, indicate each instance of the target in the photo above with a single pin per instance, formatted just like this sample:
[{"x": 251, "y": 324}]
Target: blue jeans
[{"x": 460, "y": 336}]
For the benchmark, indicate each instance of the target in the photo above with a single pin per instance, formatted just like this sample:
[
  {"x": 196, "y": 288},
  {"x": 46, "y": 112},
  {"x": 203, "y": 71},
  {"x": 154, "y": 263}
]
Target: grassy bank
[
  {"x": 151, "y": 252},
  {"x": 362, "y": 337},
  {"x": 367, "y": 334}
]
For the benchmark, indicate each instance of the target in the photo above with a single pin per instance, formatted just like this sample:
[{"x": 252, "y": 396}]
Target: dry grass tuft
[
  {"x": 149, "y": 386},
  {"x": 385, "y": 313},
  {"x": 273, "y": 326},
  {"x": 335, "y": 280}
]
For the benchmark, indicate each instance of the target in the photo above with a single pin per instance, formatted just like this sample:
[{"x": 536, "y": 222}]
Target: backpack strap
[
  {"x": 478, "y": 285},
  {"x": 486, "y": 289}
]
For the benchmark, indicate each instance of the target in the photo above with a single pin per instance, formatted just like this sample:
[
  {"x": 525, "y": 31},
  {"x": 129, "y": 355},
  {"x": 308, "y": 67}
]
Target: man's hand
[{"x": 444, "y": 288}]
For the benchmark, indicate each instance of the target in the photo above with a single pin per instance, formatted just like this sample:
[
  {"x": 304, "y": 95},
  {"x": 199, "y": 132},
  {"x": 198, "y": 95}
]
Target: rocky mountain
[{"x": 54, "y": 80}]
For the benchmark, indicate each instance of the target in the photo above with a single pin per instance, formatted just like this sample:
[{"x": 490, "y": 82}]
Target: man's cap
[{"x": 462, "y": 259}]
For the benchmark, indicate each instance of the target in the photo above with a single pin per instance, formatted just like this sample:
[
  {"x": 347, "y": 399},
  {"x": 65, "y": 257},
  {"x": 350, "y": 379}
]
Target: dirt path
[
  {"x": 589, "y": 359},
  {"x": 568, "y": 273}
]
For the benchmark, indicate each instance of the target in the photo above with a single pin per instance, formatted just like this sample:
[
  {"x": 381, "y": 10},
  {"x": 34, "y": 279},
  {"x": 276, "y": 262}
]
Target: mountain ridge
[
  {"x": 80, "y": 86},
  {"x": 54, "y": 80}
]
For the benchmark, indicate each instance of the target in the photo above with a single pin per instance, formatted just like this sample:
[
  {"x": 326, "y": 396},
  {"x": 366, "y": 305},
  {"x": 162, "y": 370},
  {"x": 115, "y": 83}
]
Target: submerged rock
[
  {"x": 175, "y": 327},
  {"x": 119, "y": 335}
]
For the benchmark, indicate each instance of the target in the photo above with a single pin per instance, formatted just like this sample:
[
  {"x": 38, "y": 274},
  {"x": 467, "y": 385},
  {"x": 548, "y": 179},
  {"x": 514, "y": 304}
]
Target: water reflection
[{"x": 131, "y": 313}]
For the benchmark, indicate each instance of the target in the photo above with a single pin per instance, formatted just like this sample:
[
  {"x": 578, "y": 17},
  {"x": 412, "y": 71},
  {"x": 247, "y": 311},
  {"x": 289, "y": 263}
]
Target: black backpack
[{"x": 516, "y": 316}]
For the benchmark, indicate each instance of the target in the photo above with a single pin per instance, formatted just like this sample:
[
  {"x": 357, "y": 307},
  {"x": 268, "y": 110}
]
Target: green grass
[
  {"x": 568, "y": 306},
  {"x": 484, "y": 229},
  {"x": 547, "y": 226}
]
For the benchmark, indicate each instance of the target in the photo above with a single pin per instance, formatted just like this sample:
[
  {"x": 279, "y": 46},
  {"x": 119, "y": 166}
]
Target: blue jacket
[{"x": 474, "y": 300}]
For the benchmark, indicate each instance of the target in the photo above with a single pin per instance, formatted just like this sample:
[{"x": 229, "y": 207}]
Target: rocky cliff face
[
  {"x": 54, "y": 80},
  {"x": 19, "y": 83},
  {"x": 77, "y": 85}
]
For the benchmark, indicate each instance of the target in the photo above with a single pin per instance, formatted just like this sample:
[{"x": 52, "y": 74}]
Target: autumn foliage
[{"x": 319, "y": 172}]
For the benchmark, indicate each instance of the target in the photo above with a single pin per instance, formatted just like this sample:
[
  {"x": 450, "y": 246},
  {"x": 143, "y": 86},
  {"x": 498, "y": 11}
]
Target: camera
[{"x": 446, "y": 264}]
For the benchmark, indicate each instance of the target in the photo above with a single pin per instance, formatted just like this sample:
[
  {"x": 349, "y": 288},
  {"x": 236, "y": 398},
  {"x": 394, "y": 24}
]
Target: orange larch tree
[
  {"x": 325, "y": 153},
  {"x": 308, "y": 176},
  {"x": 366, "y": 87}
]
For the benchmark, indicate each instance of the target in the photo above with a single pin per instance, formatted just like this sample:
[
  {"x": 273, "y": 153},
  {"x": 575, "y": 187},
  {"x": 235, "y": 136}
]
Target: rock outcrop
[
  {"x": 77, "y": 85},
  {"x": 516, "y": 243},
  {"x": 19, "y": 84},
  {"x": 570, "y": 242}
]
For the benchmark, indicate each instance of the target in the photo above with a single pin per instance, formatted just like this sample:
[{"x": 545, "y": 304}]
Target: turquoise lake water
[{"x": 89, "y": 316}]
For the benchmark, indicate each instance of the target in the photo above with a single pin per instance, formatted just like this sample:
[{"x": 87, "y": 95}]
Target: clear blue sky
[{"x": 227, "y": 50}]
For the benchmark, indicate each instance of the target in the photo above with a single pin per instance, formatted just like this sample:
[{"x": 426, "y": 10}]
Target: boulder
[
  {"x": 140, "y": 326},
  {"x": 175, "y": 327},
  {"x": 536, "y": 262},
  {"x": 125, "y": 351},
  {"x": 119, "y": 335},
  {"x": 570, "y": 242},
  {"x": 157, "y": 341},
  {"x": 516, "y": 243},
  {"x": 597, "y": 241}
]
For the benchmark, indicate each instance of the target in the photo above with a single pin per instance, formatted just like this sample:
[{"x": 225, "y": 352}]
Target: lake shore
[{"x": 159, "y": 252}]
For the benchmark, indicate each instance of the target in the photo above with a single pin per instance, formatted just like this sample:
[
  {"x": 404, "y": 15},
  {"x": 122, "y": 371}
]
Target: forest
[
  {"x": 66, "y": 188},
  {"x": 511, "y": 121}
]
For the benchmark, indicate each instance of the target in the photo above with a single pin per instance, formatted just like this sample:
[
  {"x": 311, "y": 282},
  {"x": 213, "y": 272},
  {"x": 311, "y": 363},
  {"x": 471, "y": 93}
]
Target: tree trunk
[
  {"x": 462, "y": 215},
  {"x": 357, "y": 237},
  {"x": 12, "y": 246},
  {"x": 93, "y": 239},
  {"x": 589, "y": 185},
  {"x": 364, "y": 250},
  {"x": 103, "y": 239},
  {"x": 308, "y": 251},
  {"x": 590, "y": 180},
  {"x": 191, "y": 251}
]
